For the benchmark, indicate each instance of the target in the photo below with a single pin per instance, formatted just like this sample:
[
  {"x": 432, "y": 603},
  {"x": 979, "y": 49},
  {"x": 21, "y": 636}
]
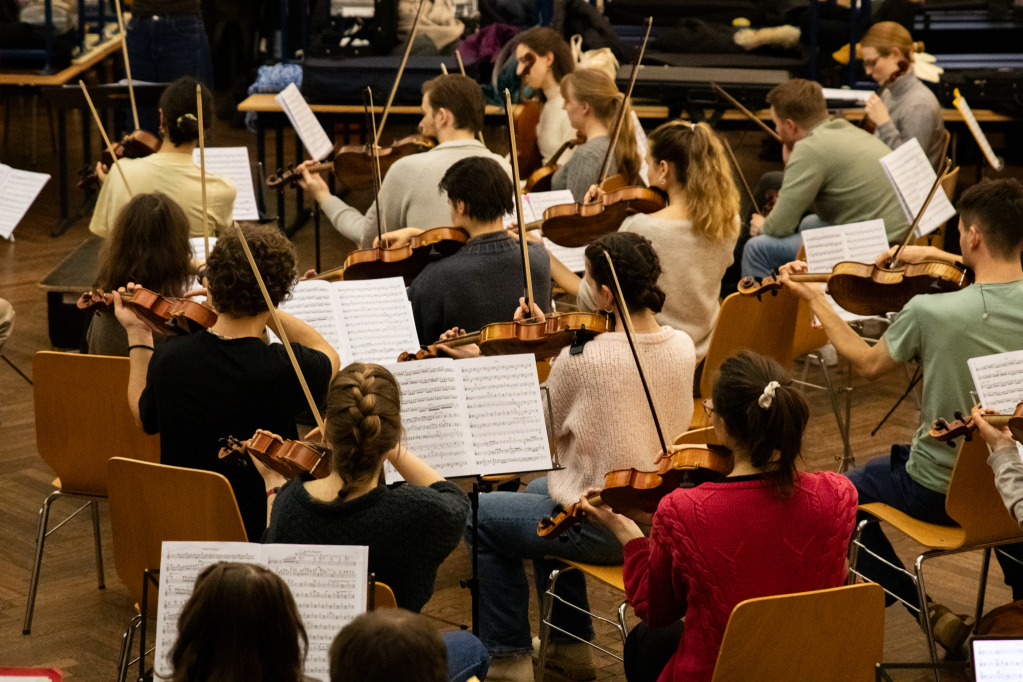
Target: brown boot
[{"x": 950, "y": 630}]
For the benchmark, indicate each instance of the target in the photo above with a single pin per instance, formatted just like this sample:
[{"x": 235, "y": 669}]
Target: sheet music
[
  {"x": 233, "y": 162},
  {"x": 18, "y": 190},
  {"x": 506, "y": 420},
  {"x": 971, "y": 122},
  {"x": 180, "y": 564},
  {"x": 199, "y": 248},
  {"x": 329, "y": 586},
  {"x": 846, "y": 95},
  {"x": 535, "y": 203},
  {"x": 912, "y": 176},
  {"x": 859, "y": 242},
  {"x": 998, "y": 660},
  {"x": 315, "y": 303},
  {"x": 434, "y": 414},
  {"x": 377, "y": 318},
  {"x": 573, "y": 258},
  {"x": 999, "y": 380},
  {"x": 305, "y": 123}
]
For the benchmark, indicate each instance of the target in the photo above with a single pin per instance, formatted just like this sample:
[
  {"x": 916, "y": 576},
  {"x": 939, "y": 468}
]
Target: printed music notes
[
  {"x": 18, "y": 189},
  {"x": 971, "y": 122},
  {"x": 998, "y": 660},
  {"x": 364, "y": 321},
  {"x": 198, "y": 247},
  {"x": 233, "y": 163},
  {"x": 475, "y": 416},
  {"x": 535, "y": 203},
  {"x": 859, "y": 242},
  {"x": 999, "y": 382},
  {"x": 328, "y": 583},
  {"x": 305, "y": 123},
  {"x": 912, "y": 176},
  {"x": 574, "y": 258}
]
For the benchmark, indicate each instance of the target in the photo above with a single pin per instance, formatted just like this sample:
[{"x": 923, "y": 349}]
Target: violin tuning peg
[
  {"x": 941, "y": 423},
  {"x": 950, "y": 443},
  {"x": 958, "y": 415},
  {"x": 968, "y": 437},
  {"x": 774, "y": 292}
]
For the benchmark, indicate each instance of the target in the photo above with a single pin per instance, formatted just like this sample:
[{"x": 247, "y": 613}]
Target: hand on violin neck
[
  {"x": 805, "y": 291},
  {"x": 312, "y": 182},
  {"x": 101, "y": 171},
  {"x": 756, "y": 225},
  {"x": 396, "y": 238},
  {"x": 996, "y": 438},
  {"x": 523, "y": 313},
  {"x": 876, "y": 110},
  {"x": 624, "y": 528},
  {"x": 139, "y": 332}
]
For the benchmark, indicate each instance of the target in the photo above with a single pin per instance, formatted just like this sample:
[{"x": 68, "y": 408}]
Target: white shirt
[{"x": 554, "y": 129}]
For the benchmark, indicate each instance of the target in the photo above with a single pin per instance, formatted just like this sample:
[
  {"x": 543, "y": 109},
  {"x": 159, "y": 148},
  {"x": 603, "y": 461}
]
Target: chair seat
[
  {"x": 931, "y": 535},
  {"x": 609, "y": 575}
]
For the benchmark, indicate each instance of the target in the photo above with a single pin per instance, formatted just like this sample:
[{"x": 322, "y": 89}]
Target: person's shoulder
[{"x": 830, "y": 481}]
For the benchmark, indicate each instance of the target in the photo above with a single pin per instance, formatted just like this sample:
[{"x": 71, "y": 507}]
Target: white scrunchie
[{"x": 768, "y": 396}]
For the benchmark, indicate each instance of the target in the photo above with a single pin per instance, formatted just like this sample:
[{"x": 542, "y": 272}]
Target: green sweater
[{"x": 836, "y": 173}]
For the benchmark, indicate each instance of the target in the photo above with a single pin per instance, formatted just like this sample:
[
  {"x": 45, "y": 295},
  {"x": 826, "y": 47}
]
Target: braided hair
[
  {"x": 362, "y": 420},
  {"x": 636, "y": 264}
]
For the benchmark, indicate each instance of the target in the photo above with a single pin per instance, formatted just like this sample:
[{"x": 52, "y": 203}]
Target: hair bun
[
  {"x": 918, "y": 47},
  {"x": 188, "y": 124}
]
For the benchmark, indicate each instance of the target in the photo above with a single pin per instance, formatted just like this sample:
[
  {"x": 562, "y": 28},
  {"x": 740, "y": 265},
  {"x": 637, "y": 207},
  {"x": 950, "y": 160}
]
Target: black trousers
[{"x": 648, "y": 650}]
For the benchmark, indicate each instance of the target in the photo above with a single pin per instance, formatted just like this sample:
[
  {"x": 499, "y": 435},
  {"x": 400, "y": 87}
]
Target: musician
[
  {"x": 907, "y": 108},
  {"x": 171, "y": 169},
  {"x": 148, "y": 244},
  {"x": 389, "y": 645},
  {"x": 592, "y": 102},
  {"x": 602, "y": 423},
  {"x": 453, "y": 108},
  {"x": 244, "y": 609},
  {"x": 544, "y": 60},
  {"x": 410, "y": 530},
  {"x": 767, "y": 529},
  {"x": 699, "y": 226},
  {"x": 482, "y": 281},
  {"x": 197, "y": 389},
  {"x": 941, "y": 332},
  {"x": 832, "y": 169},
  {"x": 1005, "y": 461}
]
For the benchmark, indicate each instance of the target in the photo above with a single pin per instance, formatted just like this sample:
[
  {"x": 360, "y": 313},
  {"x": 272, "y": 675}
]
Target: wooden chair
[
  {"x": 383, "y": 597},
  {"x": 835, "y": 634},
  {"x": 704, "y": 436},
  {"x": 609, "y": 575},
  {"x": 976, "y": 506},
  {"x": 82, "y": 420},
  {"x": 937, "y": 237},
  {"x": 153, "y": 503}
]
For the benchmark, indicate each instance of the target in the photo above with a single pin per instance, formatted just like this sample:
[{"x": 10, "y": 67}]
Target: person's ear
[
  {"x": 974, "y": 237},
  {"x": 462, "y": 208},
  {"x": 663, "y": 172},
  {"x": 586, "y": 108},
  {"x": 607, "y": 298}
]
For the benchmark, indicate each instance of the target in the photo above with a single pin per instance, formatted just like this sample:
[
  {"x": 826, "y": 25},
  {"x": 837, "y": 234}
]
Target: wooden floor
[{"x": 78, "y": 627}]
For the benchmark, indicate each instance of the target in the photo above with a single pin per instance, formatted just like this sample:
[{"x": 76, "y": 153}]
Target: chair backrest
[
  {"x": 949, "y": 182},
  {"x": 83, "y": 419},
  {"x": 806, "y": 337},
  {"x": 152, "y": 503},
  {"x": 383, "y": 597},
  {"x": 835, "y": 634},
  {"x": 974, "y": 502},
  {"x": 763, "y": 326},
  {"x": 704, "y": 436}
]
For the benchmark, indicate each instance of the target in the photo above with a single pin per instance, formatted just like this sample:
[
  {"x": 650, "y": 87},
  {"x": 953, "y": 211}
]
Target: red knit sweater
[{"x": 718, "y": 544}]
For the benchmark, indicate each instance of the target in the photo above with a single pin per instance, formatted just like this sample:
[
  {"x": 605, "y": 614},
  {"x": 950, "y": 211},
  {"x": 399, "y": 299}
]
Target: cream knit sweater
[{"x": 601, "y": 418}]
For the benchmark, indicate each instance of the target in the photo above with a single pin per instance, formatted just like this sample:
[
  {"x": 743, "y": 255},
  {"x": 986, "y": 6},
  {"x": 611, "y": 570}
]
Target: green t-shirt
[{"x": 942, "y": 332}]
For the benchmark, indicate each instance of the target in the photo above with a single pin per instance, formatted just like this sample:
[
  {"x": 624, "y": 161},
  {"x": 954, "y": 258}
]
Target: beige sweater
[
  {"x": 554, "y": 129},
  {"x": 601, "y": 418}
]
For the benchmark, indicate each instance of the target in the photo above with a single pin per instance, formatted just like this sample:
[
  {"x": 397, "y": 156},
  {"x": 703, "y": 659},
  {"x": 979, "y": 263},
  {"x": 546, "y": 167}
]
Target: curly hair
[
  {"x": 362, "y": 420},
  {"x": 636, "y": 264},
  {"x": 232, "y": 284}
]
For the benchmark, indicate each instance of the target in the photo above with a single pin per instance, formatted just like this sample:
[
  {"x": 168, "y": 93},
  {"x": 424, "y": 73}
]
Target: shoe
[
  {"x": 511, "y": 669},
  {"x": 950, "y": 630},
  {"x": 573, "y": 659}
]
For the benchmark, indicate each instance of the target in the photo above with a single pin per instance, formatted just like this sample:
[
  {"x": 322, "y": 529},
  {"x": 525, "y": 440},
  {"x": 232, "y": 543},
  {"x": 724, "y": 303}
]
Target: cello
[
  {"x": 630, "y": 491},
  {"x": 574, "y": 225}
]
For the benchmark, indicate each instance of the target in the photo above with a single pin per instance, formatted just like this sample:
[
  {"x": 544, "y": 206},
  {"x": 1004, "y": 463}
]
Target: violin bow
[
  {"x": 749, "y": 114},
  {"x": 621, "y": 111},
  {"x": 367, "y": 100},
  {"x": 127, "y": 64},
  {"x": 942, "y": 171},
  {"x": 110, "y": 147},
  {"x": 379, "y": 132},
  {"x": 630, "y": 334},
  {"x": 526, "y": 276},
  {"x": 202, "y": 171},
  {"x": 461, "y": 69},
  {"x": 731, "y": 155},
  {"x": 280, "y": 328}
]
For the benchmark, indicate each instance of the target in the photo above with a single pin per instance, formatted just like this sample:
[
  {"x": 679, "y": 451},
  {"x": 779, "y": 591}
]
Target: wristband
[
  {"x": 272, "y": 491},
  {"x": 201, "y": 273},
  {"x": 140, "y": 345}
]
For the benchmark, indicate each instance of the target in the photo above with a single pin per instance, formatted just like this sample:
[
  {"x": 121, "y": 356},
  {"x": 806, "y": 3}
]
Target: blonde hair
[
  {"x": 600, "y": 92},
  {"x": 701, "y": 166},
  {"x": 886, "y": 35}
]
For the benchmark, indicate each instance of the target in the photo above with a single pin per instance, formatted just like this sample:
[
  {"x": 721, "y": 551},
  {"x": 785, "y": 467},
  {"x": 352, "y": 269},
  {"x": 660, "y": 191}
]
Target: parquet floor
[{"x": 78, "y": 627}]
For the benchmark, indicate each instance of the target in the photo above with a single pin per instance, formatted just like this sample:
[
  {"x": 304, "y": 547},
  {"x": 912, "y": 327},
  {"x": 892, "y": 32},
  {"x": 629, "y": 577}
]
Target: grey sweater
[
  {"x": 914, "y": 112},
  {"x": 583, "y": 168},
  {"x": 1008, "y": 468}
]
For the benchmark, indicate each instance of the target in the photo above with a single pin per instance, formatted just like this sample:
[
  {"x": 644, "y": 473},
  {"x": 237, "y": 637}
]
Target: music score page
[
  {"x": 858, "y": 242},
  {"x": 18, "y": 190},
  {"x": 233, "y": 163},
  {"x": 912, "y": 176},
  {"x": 999, "y": 382},
  {"x": 305, "y": 123}
]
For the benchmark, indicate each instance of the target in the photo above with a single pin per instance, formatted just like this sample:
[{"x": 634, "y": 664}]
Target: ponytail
[
  {"x": 764, "y": 412},
  {"x": 598, "y": 90},
  {"x": 180, "y": 114}
]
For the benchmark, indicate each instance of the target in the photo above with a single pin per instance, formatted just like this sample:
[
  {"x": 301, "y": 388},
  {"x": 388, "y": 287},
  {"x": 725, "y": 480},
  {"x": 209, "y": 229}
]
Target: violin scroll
[{"x": 964, "y": 425}]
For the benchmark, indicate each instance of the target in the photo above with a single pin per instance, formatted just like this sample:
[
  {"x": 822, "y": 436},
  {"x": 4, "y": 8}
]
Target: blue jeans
[
  {"x": 764, "y": 254},
  {"x": 467, "y": 657},
  {"x": 885, "y": 480},
  {"x": 164, "y": 48},
  {"x": 507, "y": 535}
]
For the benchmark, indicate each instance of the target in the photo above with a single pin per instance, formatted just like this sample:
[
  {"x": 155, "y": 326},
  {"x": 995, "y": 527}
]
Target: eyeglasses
[
  {"x": 870, "y": 63},
  {"x": 708, "y": 406}
]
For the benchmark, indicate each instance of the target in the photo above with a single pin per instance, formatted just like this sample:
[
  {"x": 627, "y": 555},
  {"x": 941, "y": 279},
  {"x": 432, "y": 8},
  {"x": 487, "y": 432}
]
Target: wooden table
[{"x": 77, "y": 67}]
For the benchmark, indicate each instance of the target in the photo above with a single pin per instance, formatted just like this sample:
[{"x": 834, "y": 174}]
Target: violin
[
  {"x": 527, "y": 117},
  {"x": 947, "y": 432},
  {"x": 163, "y": 314},
  {"x": 289, "y": 458},
  {"x": 903, "y": 66},
  {"x": 406, "y": 261},
  {"x": 136, "y": 145},
  {"x": 630, "y": 491},
  {"x": 540, "y": 179}
]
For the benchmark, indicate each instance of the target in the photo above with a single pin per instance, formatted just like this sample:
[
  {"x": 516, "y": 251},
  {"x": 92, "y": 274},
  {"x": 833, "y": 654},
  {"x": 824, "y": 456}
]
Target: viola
[
  {"x": 406, "y": 261},
  {"x": 947, "y": 432},
  {"x": 903, "y": 66},
  {"x": 540, "y": 179},
  {"x": 135, "y": 145},
  {"x": 163, "y": 314},
  {"x": 289, "y": 458},
  {"x": 527, "y": 117},
  {"x": 630, "y": 491}
]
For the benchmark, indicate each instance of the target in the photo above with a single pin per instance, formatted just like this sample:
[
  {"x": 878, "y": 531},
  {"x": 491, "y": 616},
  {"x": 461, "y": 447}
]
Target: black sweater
[{"x": 409, "y": 530}]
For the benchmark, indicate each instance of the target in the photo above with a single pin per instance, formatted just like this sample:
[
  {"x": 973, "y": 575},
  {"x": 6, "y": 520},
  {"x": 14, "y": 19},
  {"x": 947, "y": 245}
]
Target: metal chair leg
[
  {"x": 622, "y": 627},
  {"x": 44, "y": 517},
  {"x": 126, "y": 642},
  {"x": 985, "y": 565},
  {"x": 848, "y": 460},
  {"x": 547, "y": 610},
  {"x": 854, "y": 551},
  {"x": 925, "y": 612},
  {"x": 99, "y": 543}
]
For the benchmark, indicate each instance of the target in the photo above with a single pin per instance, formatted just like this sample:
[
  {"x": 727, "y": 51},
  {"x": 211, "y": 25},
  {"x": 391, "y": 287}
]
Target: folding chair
[
  {"x": 834, "y": 634},
  {"x": 82, "y": 420},
  {"x": 974, "y": 503}
]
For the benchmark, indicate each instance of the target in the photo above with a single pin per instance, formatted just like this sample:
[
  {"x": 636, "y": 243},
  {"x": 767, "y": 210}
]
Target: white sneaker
[
  {"x": 573, "y": 659},
  {"x": 511, "y": 669}
]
